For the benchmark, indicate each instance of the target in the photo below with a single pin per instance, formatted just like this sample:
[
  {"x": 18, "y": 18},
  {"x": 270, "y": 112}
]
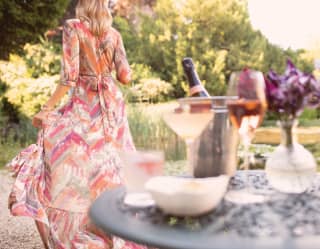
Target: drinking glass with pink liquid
[
  {"x": 246, "y": 114},
  {"x": 138, "y": 167}
]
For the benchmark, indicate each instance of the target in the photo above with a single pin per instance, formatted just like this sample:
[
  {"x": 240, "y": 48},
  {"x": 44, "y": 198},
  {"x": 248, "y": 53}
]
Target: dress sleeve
[
  {"x": 121, "y": 63},
  {"x": 70, "y": 57}
]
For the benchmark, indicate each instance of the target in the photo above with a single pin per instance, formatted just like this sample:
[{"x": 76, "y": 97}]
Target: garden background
[{"x": 157, "y": 34}]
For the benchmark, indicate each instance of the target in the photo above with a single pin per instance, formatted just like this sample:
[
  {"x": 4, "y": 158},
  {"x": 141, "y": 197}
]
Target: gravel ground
[
  {"x": 15, "y": 232},
  {"x": 21, "y": 232}
]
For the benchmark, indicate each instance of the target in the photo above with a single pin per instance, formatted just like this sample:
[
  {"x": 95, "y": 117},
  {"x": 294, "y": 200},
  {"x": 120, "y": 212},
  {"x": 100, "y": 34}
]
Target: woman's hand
[
  {"x": 11, "y": 200},
  {"x": 37, "y": 120},
  {"x": 60, "y": 91}
]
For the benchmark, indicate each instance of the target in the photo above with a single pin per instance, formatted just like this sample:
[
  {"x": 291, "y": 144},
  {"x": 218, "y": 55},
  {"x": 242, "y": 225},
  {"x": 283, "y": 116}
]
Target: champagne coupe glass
[
  {"x": 188, "y": 121},
  {"x": 246, "y": 114}
]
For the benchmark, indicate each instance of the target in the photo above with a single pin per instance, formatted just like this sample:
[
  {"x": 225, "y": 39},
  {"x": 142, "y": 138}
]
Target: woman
[{"x": 56, "y": 185}]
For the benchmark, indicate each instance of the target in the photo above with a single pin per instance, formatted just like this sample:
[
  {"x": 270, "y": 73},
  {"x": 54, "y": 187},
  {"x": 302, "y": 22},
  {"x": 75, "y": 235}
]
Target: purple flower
[{"x": 288, "y": 94}]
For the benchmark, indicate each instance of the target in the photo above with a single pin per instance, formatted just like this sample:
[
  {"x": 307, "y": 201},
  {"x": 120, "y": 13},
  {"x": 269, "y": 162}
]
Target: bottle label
[{"x": 196, "y": 89}]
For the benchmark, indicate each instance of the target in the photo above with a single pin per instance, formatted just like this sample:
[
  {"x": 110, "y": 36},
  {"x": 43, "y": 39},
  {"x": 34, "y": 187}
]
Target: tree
[
  {"x": 24, "y": 20},
  {"x": 217, "y": 34},
  {"x": 213, "y": 31},
  {"x": 209, "y": 31}
]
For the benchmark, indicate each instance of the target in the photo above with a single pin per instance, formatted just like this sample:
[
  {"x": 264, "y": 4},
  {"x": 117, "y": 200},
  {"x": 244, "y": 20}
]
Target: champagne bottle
[
  {"x": 196, "y": 89},
  {"x": 215, "y": 150}
]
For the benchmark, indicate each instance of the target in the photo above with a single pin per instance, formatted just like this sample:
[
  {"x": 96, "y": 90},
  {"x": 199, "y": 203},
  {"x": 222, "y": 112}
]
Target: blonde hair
[{"x": 96, "y": 13}]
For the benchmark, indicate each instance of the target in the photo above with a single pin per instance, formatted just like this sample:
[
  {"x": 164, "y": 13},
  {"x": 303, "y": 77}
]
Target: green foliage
[
  {"x": 9, "y": 71},
  {"x": 130, "y": 39},
  {"x": 11, "y": 149},
  {"x": 309, "y": 114},
  {"x": 25, "y": 93},
  {"x": 275, "y": 59},
  {"x": 225, "y": 23},
  {"x": 23, "y": 21},
  {"x": 140, "y": 72},
  {"x": 30, "y": 94},
  {"x": 26, "y": 82},
  {"x": 42, "y": 58},
  {"x": 15, "y": 137},
  {"x": 146, "y": 86},
  {"x": 309, "y": 117},
  {"x": 151, "y": 90},
  {"x": 217, "y": 34}
]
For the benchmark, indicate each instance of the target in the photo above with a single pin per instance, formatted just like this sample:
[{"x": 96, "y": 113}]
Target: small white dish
[
  {"x": 139, "y": 200},
  {"x": 187, "y": 196}
]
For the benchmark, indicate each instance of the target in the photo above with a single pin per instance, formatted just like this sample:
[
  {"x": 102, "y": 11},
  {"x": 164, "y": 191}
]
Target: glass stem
[
  {"x": 246, "y": 159},
  {"x": 189, "y": 144}
]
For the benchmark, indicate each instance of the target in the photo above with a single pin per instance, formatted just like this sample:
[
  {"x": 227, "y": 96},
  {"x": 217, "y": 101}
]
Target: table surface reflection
[{"x": 283, "y": 221}]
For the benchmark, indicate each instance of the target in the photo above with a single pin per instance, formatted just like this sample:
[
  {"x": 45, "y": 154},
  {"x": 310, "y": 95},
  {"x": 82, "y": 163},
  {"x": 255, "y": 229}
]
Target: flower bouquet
[{"x": 290, "y": 168}]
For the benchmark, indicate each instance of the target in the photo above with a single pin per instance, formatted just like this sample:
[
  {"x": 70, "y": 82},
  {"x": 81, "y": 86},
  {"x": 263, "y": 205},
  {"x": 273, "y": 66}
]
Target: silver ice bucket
[{"x": 215, "y": 151}]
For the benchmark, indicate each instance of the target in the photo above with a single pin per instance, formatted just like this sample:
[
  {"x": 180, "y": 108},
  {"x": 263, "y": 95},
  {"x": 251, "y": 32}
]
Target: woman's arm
[
  {"x": 69, "y": 71},
  {"x": 60, "y": 91},
  {"x": 55, "y": 98},
  {"x": 121, "y": 63}
]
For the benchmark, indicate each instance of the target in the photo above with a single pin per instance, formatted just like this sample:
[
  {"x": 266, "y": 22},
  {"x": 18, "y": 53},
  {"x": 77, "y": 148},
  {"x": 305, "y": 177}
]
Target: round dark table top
[{"x": 284, "y": 221}]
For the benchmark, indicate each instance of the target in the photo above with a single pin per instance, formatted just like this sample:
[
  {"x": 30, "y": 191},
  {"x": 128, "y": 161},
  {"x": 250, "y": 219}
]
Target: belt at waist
[
  {"x": 95, "y": 75},
  {"x": 93, "y": 80}
]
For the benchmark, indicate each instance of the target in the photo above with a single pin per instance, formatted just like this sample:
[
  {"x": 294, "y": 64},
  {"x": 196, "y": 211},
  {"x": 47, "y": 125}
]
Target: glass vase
[{"x": 290, "y": 168}]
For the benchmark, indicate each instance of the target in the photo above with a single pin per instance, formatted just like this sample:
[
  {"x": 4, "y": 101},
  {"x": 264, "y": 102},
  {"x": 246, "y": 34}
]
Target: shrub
[
  {"x": 151, "y": 90},
  {"x": 141, "y": 71},
  {"x": 146, "y": 86},
  {"x": 25, "y": 93},
  {"x": 30, "y": 94},
  {"x": 42, "y": 58}
]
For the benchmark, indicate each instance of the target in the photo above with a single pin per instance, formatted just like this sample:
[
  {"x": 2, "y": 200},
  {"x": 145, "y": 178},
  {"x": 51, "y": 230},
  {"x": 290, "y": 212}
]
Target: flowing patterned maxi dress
[{"x": 80, "y": 141}]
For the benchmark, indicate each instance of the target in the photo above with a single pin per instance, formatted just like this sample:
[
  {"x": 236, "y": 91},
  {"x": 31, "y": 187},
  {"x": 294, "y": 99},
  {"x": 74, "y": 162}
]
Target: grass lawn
[
  {"x": 8, "y": 151},
  {"x": 149, "y": 131}
]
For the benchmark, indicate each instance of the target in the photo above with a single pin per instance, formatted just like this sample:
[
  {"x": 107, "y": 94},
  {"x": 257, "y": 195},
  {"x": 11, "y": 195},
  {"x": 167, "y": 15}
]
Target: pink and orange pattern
[{"x": 76, "y": 156}]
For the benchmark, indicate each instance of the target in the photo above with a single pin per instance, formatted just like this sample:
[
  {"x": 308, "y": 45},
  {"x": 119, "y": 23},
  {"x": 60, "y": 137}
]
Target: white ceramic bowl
[{"x": 187, "y": 196}]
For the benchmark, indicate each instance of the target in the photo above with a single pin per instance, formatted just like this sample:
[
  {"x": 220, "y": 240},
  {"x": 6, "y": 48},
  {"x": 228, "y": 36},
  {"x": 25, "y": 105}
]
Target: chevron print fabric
[{"x": 75, "y": 158}]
